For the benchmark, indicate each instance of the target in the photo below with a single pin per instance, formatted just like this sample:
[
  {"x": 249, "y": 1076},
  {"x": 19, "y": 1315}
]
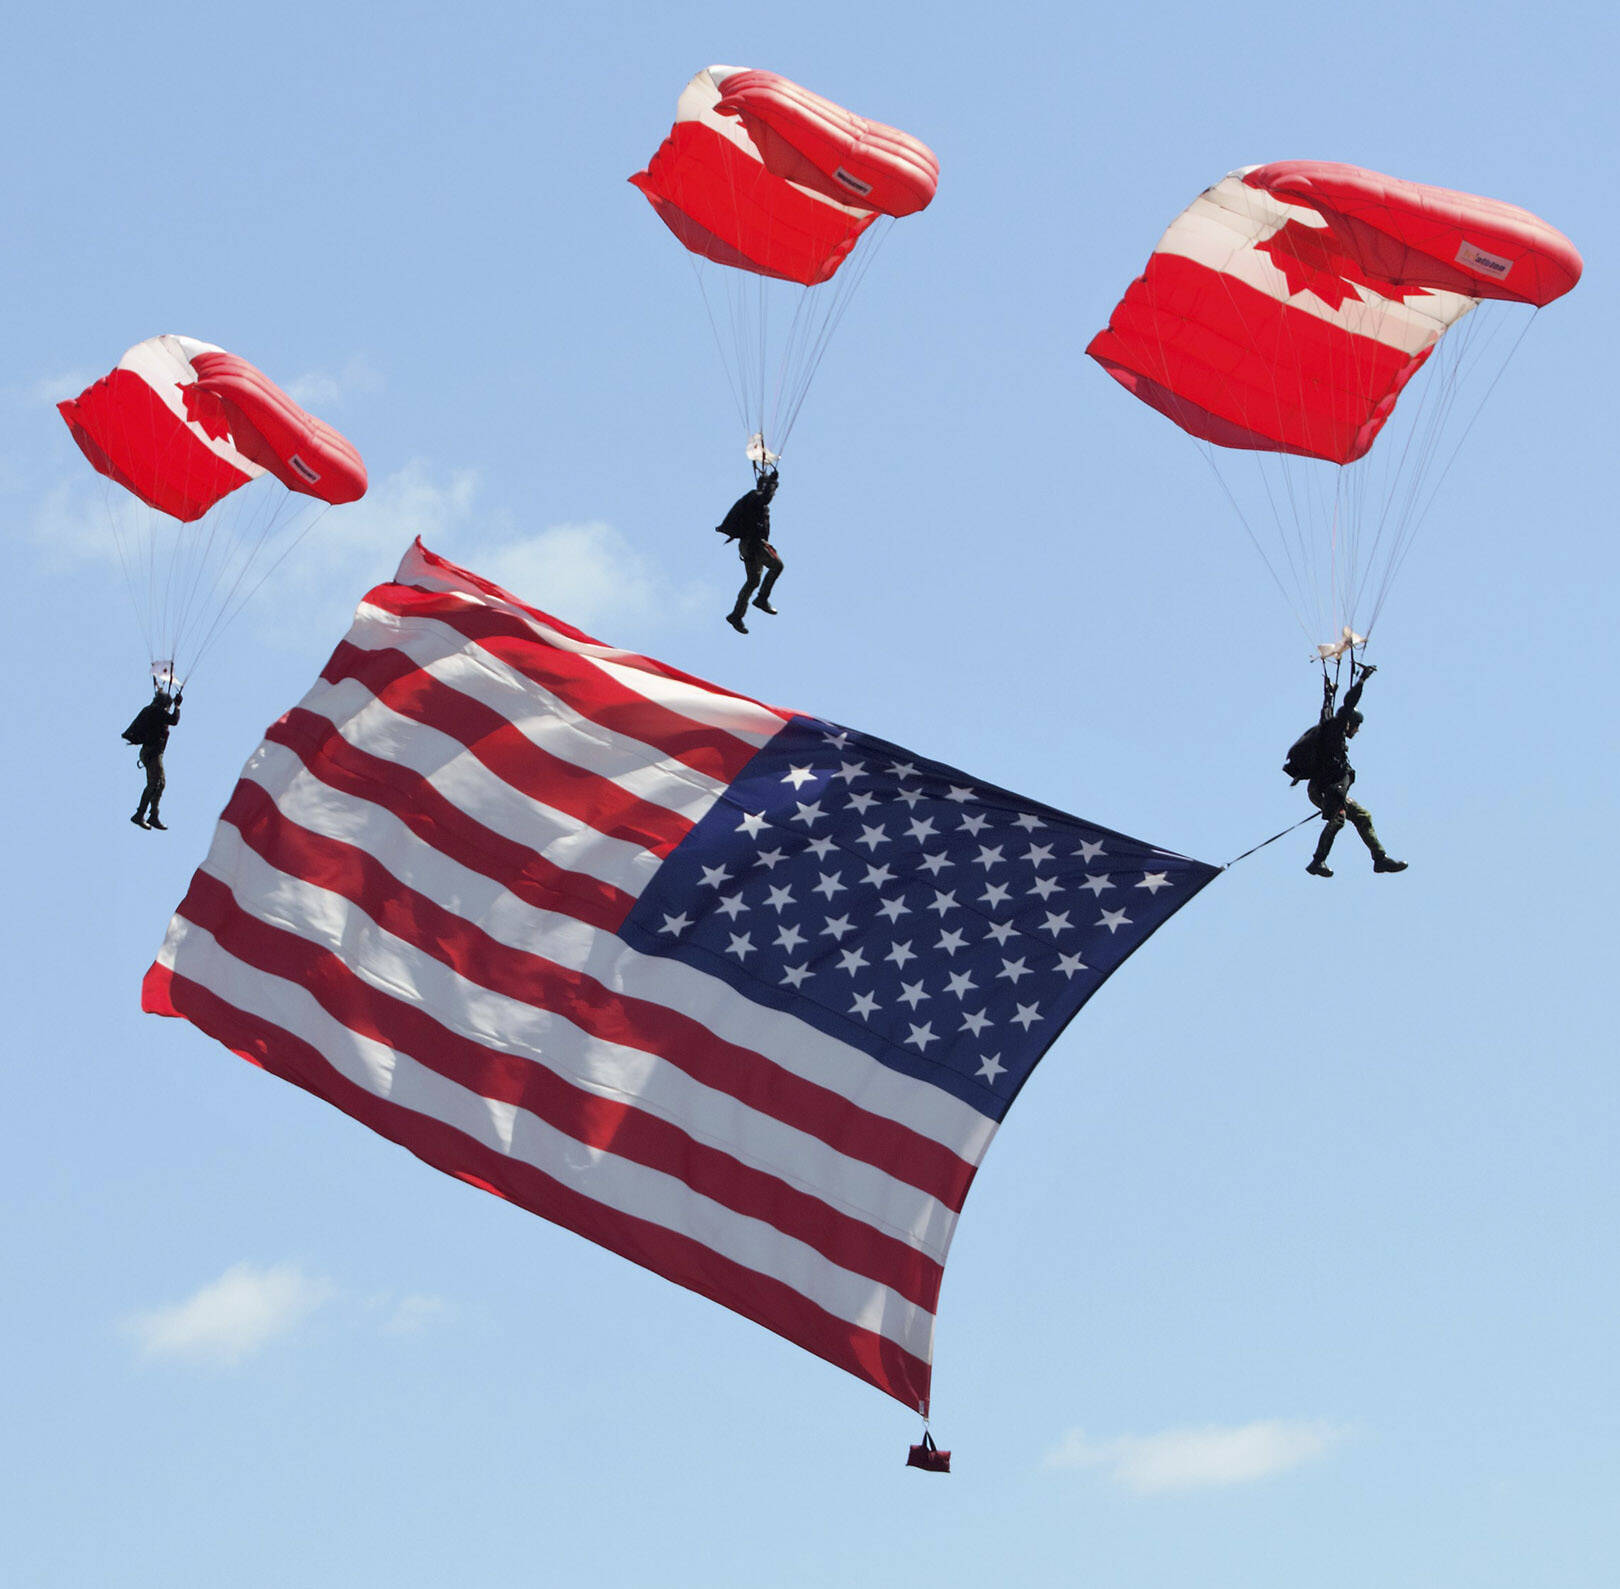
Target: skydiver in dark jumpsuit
[
  {"x": 748, "y": 523},
  {"x": 1332, "y": 775},
  {"x": 150, "y": 730}
]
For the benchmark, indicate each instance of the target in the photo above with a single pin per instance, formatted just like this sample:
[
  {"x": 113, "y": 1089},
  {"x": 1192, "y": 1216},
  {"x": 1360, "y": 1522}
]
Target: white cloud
[
  {"x": 591, "y": 575},
  {"x": 410, "y": 1315},
  {"x": 412, "y": 501},
  {"x": 348, "y": 549},
  {"x": 1199, "y": 1458},
  {"x": 49, "y": 390},
  {"x": 232, "y": 1317},
  {"x": 323, "y": 389},
  {"x": 314, "y": 389},
  {"x": 306, "y": 580},
  {"x": 73, "y": 525}
]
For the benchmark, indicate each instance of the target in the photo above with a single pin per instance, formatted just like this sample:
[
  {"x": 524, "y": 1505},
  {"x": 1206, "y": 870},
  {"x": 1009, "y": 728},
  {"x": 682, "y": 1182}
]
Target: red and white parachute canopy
[
  {"x": 1288, "y": 307},
  {"x": 180, "y": 425},
  {"x": 766, "y": 179}
]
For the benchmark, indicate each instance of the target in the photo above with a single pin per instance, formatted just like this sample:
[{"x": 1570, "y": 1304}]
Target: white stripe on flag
[
  {"x": 632, "y": 1189},
  {"x": 799, "y": 1049},
  {"x": 456, "y": 773},
  {"x": 548, "y": 1039},
  {"x": 733, "y": 714},
  {"x": 541, "y": 716}
]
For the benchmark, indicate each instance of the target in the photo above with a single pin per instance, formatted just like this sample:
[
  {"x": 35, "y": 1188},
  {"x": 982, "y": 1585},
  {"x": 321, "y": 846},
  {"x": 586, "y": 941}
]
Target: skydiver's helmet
[
  {"x": 1352, "y": 721},
  {"x": 766, "y": 481}
]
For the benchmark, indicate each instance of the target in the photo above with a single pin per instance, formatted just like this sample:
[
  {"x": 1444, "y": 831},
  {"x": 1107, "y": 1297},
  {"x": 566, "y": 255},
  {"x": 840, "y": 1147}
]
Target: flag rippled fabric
[{"x": 738, "y": 993}]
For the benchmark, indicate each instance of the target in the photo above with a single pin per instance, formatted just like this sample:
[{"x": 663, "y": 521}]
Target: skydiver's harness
[
  {"x": 140, "y": 732},
  {"x": 1301, "y": 755},
  {"x": 752, "y": 541}
]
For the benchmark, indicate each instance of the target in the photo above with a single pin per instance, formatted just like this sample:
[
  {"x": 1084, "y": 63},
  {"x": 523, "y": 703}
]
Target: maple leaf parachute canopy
[
  {"x": 178, "y": 428},
  {"x": 1286, "y": 311},
  {"x": 774, "y": 184}
]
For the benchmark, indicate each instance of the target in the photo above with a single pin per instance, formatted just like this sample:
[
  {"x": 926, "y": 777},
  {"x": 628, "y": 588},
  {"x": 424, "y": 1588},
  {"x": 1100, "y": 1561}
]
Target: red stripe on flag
[
  {"x": 444, "y": 826},
  {"x": 683, "y": 1259},
  {"x": 419, "y": 558},
  {"x": 611, "y": 1014},
  {"x": 582, "y": 683},
  {"x": 606, "y": 1124},
  {"x": 405, "y": 687}
]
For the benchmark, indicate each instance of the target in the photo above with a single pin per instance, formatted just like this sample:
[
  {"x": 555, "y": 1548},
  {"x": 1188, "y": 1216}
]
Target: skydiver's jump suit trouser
[
  {"x": 1335, "y": 805},
  {"x": 759, "y": 558},
  {"x": 152, "y": 761}
]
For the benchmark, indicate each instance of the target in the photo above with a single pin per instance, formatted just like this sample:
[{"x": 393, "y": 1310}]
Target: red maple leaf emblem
[
  {"x": 1311, "y": 261},
  {"x": 206, "y": 412}
]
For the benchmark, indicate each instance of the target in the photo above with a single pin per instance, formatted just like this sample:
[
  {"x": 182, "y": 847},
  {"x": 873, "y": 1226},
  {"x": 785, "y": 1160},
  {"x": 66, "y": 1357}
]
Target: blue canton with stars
[{"x": 945, "y": 927}]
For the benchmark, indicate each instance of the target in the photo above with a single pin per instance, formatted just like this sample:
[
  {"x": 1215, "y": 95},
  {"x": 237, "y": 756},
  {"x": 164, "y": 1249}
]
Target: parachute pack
[{"x": 1300, "y": 762}]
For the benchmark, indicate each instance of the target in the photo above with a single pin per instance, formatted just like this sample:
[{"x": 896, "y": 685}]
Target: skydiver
[
  {"x": 748, "y": 523},
  {"x": 1322, "y": 755},
  {"x": 150, "y": 730}
]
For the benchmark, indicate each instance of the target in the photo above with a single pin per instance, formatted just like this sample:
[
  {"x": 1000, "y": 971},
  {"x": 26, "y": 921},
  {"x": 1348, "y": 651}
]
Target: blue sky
[{"x": 1296, "y": 1260}]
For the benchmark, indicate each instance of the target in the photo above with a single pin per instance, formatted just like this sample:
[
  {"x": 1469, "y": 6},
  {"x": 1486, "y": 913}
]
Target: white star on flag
[{"x": 481, "y": 889}]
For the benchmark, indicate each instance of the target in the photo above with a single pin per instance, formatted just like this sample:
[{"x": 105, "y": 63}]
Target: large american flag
[{"x": 736, "y": 992}]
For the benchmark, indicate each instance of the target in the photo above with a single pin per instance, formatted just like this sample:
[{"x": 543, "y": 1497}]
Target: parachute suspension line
[
  {"x": 252, "y": 521},
  {"x": 846, "y": 283},
  {"x": 1306, "y": 507},
  {"x": 171, "y": 580},
  {"x": 1289, "y": 483},
  {"x": 125, "y": 559},
  {"x": 152, "y": 614},
  {"x": 232, "y": 605},
  {"x": 698, "y": 262},
  {"x": 767, "y": 402},
  {"x": 1335, "y": 551},
  {"x": 182, "y": 564},
  {"x": 1424, "y": 416},
  {"x": 1208, "y": 451},
  {"x": 1283, "y": 486},
  {"x": 1292, "y": 601},
  {"x": 792, "y": 355},
  {"x": 764, "y": 302},
  {"x": 193, "y": 570},
  {"x": 1295, "y": 478},
  {"x": 270, "y": 514},
  {"x": 1423, "y": 508},
  {"x": 759, "y": 289}
]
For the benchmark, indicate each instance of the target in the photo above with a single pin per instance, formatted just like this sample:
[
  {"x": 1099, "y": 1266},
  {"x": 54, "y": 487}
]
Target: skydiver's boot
[
  {"x": 735, "y": 620},
  {"x": 764, "y": 606},
  {"x": 1362, "y": 818},
  {"x": 1330, "y": 831},
  {"x": 152, "y": 821},
  {"x": 138, "y": 820}
]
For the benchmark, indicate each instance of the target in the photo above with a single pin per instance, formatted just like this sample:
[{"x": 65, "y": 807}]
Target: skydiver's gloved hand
[{"x": 1367, "y": 668}]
